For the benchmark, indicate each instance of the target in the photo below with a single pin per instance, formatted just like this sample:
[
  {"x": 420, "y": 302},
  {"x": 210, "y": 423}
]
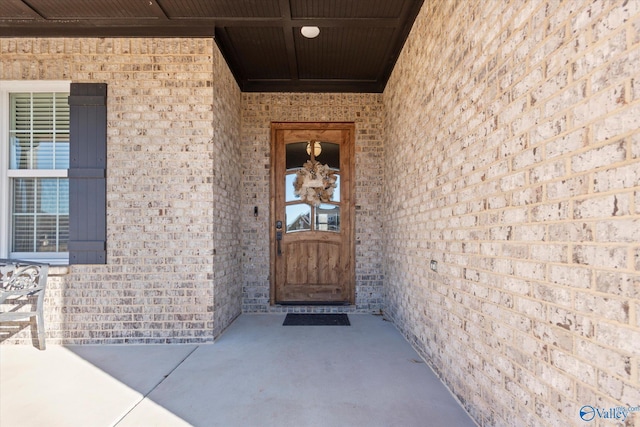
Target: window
[{"x": 34, "y": 201}]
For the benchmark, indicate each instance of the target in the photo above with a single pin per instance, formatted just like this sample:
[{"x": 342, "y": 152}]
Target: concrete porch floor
[{"x": 258, "y": 373}]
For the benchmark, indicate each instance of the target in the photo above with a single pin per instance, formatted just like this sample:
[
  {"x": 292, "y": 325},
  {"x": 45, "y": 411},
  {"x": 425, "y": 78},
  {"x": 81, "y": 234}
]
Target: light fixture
[
  {"x": 310, "y": 32},
  {"x": 316, "y": 148}
]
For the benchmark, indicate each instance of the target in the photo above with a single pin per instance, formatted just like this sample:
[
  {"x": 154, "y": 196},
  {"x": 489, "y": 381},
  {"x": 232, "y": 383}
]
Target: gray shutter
[{"x": 87, "y": 173}]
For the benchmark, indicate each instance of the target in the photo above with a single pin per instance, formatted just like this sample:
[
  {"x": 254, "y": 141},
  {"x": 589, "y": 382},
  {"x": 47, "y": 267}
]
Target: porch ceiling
[{"x": 358, "y": 45}]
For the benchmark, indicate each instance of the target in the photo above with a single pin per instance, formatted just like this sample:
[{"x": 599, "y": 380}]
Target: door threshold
[{"x": 306, "y": 304}]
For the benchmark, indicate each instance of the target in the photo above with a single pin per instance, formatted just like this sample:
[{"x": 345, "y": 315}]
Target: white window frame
[{"x": 7, "y": 87}]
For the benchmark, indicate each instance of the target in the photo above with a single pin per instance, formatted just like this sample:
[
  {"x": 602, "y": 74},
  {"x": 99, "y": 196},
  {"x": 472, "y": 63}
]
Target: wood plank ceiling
[{"x": 357, "y": 48}]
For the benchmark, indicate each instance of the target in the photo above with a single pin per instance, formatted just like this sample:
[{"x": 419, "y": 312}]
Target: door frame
[{"x": 349, "y": 202}]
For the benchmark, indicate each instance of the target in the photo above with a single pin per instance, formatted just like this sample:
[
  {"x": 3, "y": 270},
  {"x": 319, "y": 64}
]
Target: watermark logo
[
  {"x": 617, "y": 413},
  {"x": 587, "y": 413}
]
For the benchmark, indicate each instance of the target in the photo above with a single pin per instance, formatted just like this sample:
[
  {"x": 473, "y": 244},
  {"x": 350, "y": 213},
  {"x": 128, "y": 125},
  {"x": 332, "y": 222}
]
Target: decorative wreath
[{"x": 314, "y": 183}]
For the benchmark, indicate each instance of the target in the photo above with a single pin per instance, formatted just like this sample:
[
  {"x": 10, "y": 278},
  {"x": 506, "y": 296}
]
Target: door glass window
[
  {"x": 336, "y": 191},
  {"x": 298, "y": 217},
  {"x": 289, "y": 195},
  {"x": 327, "y": 217},
  {"x": 328, "y": 153},
  {"x": 296, "y": 155}
]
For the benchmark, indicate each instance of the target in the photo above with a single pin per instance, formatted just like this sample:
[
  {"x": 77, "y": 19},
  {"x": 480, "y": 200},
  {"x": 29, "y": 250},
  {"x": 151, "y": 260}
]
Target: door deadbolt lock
[{"x": 278, "y": 225}]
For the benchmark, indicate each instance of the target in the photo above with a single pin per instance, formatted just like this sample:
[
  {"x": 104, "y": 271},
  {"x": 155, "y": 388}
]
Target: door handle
[
  {"x": 279, "y": 239},
  {"x": 279, "y": 236}
]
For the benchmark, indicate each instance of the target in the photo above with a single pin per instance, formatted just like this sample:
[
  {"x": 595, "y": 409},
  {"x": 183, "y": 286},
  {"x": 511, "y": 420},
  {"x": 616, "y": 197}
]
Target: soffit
[{"x": 358, "y": 45}]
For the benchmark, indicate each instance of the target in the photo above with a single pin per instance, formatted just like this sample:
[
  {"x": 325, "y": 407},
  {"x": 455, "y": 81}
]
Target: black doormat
[{"x": 296, "y": 319}]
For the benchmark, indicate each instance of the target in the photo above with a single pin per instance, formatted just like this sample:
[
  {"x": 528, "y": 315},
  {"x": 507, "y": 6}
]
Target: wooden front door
[{"x": 312, "y": 212}]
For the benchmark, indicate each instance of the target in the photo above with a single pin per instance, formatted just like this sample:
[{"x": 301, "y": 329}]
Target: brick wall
[
  {"x": 525, "y": 116},
  {"x": 173, "y": 269},
  {"x": 258, "y": 111},
  {"x": 227, "y": 188}
]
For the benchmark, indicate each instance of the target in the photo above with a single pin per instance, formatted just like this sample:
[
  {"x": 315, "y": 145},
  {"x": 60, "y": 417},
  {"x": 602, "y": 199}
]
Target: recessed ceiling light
[{"x": 310, "y": 32}]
